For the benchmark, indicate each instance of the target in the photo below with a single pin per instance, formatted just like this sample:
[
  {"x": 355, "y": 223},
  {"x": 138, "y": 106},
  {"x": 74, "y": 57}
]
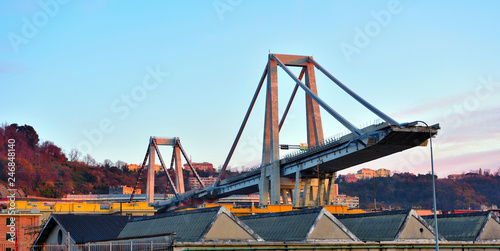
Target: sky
[{"x": 103, "y": 76}]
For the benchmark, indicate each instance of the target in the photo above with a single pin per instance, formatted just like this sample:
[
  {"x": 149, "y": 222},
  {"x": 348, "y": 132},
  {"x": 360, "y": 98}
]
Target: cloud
[
  {"x": 465, "y": 162},
  {"x": 424, "y": 108}
]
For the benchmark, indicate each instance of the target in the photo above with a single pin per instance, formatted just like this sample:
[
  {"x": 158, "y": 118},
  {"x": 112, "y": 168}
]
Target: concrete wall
[
  {"x": 414, "y": 229},
  {"x": 327, "y": 229},
  {"x": 52, "y": 238},
  {"x": 224, "y": 228},
  {"x": 491, "y": 231}
]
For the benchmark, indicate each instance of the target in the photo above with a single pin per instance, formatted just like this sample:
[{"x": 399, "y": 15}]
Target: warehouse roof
[
  {"x": 467, "y": 226},
  {"x": 206, "y": 224},
  {"x": 388, "y": 226},
  {"x": 303, "y": 225},
  {"x": 84, "y": 228}
]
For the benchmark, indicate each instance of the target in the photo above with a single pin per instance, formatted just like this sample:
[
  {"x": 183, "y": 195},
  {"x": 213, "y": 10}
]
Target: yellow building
[
  {"x": 123, "y": 190},
  {"x": 48, "y": 208},
  {"x": 383, "y": 172},
  {"x": 366, "y": 173},
  {"x": 135, "y": 167}
]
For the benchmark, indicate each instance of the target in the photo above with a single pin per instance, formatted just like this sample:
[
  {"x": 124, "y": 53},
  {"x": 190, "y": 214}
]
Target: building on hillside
[
  {"x": 350, "y": 178},
  {"x": 366, "y": 173},
  {"x": 135, "y": 167},
  {"x": 20, "y": 228},
  {"x": 345, "y": 200},
  {"x": 123, "y": 190},
  {"x": 455, "y": 176},
  {"x": 383, "y": 173},
  {"x": 207, "y": 181},
  {"x": 204, "y": 166}
]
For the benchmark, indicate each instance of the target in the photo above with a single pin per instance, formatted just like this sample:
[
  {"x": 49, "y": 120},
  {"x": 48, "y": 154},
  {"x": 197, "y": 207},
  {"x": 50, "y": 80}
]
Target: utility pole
[{"x": 374, "y": 195}]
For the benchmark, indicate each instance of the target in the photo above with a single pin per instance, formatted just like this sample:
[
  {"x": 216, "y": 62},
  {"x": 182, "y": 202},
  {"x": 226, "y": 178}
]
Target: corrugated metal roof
[
  {"x": 383, "y": 226},
  {"x": 189, "y": 226},
  {"x": 459, "y": 227},
  {"x": 86, "y": 228},
  {"x": 284, "y": 226}
]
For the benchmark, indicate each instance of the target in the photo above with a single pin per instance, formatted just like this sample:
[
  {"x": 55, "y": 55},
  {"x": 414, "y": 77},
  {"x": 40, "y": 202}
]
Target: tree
[
  {"x": 89, "y": 161},
  {"x": 51, "y": 152},
  {"x": 120, "y": 164},
  {"x": 74, "y": 155},
  {"x": 107, "y": 163},
  {"x": 29, "y": 133}
]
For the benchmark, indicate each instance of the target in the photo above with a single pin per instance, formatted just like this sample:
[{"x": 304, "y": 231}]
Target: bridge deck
[{"x": 379, "y": 141}]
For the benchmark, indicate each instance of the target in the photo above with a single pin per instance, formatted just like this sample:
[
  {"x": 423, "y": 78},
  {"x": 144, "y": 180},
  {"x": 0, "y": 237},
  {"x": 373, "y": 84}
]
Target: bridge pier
[
  {"x": 179, "y": 176},
  {"x": 315, "y": 191},
  {"x": 330, "y": 189},
  {"x": 150, "y": 188},
  {"x": 263, "y": 188},
  {"x": 296, "y": 191},
  {"x": 270, "y": 175}
]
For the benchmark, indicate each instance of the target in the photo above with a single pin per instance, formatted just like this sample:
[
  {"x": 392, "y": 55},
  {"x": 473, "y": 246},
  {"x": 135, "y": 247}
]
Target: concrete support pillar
[
  {"x": 275, "y": 189},
  {"x": 296, "y": 192},
  {"x": 150, "y": 188},
  {"x": 321, "y": 192},
  {"x": 330, "y": 192},
  {"x": 307, "y": 192},
  {"x": 270, "y": 153},
  {"x": 314, "y": 125},
  {"x": 179, "y": 176},
  {"x": 284, "y": 196},
  {"x": 263, "y": 188},
  {"x": 314, "y": 192}
]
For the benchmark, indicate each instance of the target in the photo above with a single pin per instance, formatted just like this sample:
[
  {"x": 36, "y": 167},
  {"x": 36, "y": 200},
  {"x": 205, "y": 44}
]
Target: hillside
[
  {"x": 406, "y": 190},
  {"x": 43, "y": 169}
]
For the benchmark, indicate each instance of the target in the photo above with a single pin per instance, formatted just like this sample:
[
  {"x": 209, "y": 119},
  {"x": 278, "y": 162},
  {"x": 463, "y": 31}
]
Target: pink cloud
[
  {"x": 462, "y": 163},
  {"x": 422, "y": 108},
  {"x": 476, "y": 126},
  {"x": 473, "y": 161}
]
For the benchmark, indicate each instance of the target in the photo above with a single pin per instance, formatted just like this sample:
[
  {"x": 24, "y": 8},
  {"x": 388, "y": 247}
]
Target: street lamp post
[{"x": 433, "y": 186}]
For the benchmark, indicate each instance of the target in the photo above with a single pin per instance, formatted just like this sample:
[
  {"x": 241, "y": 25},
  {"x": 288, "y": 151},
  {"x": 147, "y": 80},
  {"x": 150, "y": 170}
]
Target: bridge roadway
[{"x": 333, "y": 155}]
